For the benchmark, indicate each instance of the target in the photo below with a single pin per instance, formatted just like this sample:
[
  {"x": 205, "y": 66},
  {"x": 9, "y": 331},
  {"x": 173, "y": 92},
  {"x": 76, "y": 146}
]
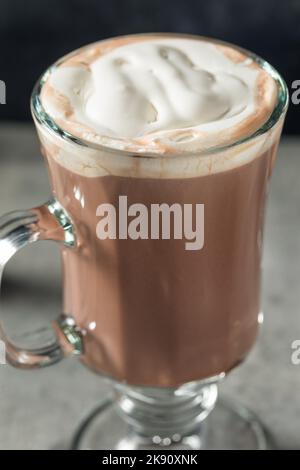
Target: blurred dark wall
[{"x": 34, "y": 33}]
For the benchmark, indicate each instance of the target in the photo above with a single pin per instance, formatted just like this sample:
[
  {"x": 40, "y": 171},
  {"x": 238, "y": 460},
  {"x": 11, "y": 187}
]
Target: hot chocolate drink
[{"x": 162, "y": 119}]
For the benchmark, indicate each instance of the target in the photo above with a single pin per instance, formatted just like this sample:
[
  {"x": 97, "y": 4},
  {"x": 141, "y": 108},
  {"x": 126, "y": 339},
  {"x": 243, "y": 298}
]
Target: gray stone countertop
[{"x": 40, "y": 409}]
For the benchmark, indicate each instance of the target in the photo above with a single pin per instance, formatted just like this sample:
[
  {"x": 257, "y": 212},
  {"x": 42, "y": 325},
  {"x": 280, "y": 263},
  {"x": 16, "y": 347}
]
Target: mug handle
[{"x": 18, "y": 229}]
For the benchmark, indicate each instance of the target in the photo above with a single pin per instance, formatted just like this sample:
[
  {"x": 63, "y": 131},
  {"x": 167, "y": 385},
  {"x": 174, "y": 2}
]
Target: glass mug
[{"x": 162, "y": 323}]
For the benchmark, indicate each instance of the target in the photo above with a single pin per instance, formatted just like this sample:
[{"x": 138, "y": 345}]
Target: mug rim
[{"x": 45, "y": 120}]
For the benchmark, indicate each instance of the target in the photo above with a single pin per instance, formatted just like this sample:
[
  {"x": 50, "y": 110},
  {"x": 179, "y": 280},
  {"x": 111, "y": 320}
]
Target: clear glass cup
[{"x": 164, "y": 325}]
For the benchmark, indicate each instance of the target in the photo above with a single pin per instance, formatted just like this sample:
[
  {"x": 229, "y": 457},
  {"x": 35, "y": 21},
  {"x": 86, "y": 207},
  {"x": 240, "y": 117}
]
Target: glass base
[{"x": 229, "y": 426}]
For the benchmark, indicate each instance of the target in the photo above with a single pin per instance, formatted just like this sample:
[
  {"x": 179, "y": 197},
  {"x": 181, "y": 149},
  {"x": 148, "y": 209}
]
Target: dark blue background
[{"x": 34, "y": 33}]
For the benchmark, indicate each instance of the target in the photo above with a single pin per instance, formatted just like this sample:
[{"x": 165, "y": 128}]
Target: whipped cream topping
[{"x": 159, "y": 94}]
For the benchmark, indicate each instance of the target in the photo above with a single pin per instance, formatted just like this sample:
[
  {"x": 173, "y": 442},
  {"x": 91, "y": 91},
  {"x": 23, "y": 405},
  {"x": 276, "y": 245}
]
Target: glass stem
[{"x": 166, "y": 415}]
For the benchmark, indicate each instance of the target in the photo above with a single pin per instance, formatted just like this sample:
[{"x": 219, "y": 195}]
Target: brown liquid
[{"x": 163, "y": 316}]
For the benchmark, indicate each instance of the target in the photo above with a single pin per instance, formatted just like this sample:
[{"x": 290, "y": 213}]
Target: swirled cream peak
[{"x": 159, "y": 93}]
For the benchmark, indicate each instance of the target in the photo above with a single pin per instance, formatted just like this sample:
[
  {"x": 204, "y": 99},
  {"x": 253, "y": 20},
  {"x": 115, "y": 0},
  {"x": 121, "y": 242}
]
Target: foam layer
[
  {"x": 160, "y": 95},
  {"x": 90, "y": 162},
  {"x": 156, "y": 87}
]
